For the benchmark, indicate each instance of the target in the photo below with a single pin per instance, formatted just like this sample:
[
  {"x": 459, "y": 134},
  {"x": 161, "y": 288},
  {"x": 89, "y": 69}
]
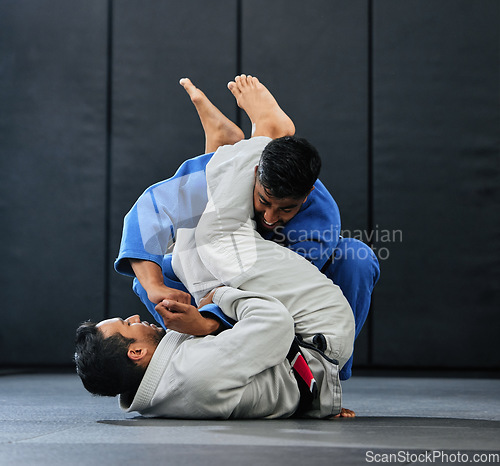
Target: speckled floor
[{"x": 50, "y": 419}]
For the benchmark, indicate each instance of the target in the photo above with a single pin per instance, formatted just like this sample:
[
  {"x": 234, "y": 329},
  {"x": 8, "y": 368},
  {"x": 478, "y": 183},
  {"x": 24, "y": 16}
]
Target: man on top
[{"x": 287, "y": 209}]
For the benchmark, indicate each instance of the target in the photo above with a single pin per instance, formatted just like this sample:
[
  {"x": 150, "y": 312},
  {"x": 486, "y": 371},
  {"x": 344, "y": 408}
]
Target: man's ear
[
  {"x": 308, "y": 195},
  {"x": 136, "y": 352},
  {"x": 255, "y": 170}
]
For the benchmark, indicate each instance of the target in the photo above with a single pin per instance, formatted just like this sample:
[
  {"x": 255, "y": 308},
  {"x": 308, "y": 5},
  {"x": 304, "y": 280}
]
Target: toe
[
  {"x": 188, "y": 85},
  {"x": 193, "y": 92},
  {"x": 233, "y": 87},
  {"x": 255, "y": 81},
  {"x": 241, "y": 80}
]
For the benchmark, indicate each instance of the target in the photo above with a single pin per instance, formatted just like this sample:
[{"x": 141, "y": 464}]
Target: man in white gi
[{"x": 241, "y": 372}]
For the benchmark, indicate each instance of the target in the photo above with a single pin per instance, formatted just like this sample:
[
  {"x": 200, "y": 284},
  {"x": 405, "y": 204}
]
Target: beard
[{"x": 156, "y": 337}]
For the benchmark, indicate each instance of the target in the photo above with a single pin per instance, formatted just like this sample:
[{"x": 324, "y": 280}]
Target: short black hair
[
  {"x": 103, "y": 364},
  {"x": 289, "y": 167}
]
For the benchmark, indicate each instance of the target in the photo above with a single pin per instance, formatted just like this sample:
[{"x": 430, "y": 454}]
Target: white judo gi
[
  {"x": 224, "y": 248},
  {"x": 239, "y": 373}
]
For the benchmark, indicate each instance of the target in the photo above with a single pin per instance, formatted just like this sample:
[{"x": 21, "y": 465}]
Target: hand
[
  {"x": 185, "y": 318},
  {"x": 150, "y": 277},
  {"x": 158, "y": 293}
]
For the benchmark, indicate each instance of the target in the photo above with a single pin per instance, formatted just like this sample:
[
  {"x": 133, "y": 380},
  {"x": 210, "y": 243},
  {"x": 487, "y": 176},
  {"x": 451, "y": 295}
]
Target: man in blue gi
[{"x": 308, "y": 224}]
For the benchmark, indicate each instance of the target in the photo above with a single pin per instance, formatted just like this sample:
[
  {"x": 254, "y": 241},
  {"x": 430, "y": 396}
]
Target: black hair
[
  {"x": 289, "y": 167},
  {"x": 103, "y": 364}
]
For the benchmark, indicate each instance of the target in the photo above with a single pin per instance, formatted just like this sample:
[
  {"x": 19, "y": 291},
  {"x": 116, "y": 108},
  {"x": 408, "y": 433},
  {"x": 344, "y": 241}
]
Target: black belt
[{"x": 305, "y": 379}]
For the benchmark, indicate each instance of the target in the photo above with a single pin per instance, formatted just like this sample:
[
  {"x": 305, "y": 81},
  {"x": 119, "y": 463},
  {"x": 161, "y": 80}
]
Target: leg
[
  {"x": 261, "y": 107},
  {"x": 219, "y": 130},
  {"x": 355, "y": 270}
]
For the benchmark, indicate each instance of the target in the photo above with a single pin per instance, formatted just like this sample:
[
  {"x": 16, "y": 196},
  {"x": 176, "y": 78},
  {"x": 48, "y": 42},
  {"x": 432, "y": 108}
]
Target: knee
[{"x": 358, "y": 258}]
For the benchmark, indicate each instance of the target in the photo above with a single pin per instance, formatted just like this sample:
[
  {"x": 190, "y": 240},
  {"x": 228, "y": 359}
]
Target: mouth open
[
  {"x": 266, "y": 225},
  {"x": 147, "y": 324}
]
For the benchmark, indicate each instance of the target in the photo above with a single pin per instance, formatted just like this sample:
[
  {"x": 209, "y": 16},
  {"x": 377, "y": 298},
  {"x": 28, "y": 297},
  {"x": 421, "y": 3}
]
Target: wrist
[{"x": 151, "y": 287}]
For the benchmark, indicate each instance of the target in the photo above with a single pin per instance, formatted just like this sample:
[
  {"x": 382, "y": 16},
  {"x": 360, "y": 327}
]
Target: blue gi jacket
[{"x": 150, "y": 227}]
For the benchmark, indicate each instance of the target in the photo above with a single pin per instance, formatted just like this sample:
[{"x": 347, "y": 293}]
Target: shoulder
[
  {"x": 321, "y": 197},
  {"x": 319, "y": 208}
]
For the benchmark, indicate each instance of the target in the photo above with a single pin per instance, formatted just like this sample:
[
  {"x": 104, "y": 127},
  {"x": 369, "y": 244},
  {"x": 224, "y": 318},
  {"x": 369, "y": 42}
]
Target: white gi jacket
[
  {"x": 224, "y": 248},
  {"x": 240, "y": 373}
]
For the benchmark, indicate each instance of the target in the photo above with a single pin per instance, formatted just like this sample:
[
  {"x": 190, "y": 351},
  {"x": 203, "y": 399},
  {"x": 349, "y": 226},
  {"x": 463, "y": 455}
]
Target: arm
[
  {"x": 226, "y": 375},
  {"x": 150, "y": 276},
  {"x": 261, "y": 338},
  {"x": 150, "y": 227}
]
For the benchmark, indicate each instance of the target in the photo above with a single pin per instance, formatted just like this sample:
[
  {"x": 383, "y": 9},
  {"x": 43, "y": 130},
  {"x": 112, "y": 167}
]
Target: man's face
[
  {"x": 132, "y": 327},
  {"x": 272, "y": 212}
]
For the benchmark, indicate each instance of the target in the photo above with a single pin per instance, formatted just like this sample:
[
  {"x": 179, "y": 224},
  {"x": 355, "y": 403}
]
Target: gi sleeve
[
  {"x": 150, "y": 228},
  {"x": 264, "y": 326}
]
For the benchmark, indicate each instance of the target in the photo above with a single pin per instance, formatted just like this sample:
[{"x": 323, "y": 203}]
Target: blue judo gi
[{"x": 150, "y": 228}]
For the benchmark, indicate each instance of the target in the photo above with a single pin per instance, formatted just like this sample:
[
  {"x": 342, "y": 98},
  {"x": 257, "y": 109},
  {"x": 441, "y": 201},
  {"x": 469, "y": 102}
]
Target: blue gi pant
[{"x": 354, "y": 268}]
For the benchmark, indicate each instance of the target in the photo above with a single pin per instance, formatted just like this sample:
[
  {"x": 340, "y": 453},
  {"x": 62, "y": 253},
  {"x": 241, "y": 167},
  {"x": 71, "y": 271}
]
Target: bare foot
[
  {"x": 219, "y": 130},
  {"x": 345, "y": 413},
  {"x": 260, "y": 105}
]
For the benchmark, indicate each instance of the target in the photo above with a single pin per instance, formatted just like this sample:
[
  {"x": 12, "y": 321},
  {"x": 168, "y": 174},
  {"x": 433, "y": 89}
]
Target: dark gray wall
[
  {"x": 401, "y": 98},
  {"x": 436, "y": 178},
  {"x": 155, "y": 127},
  {"x": 53, "y": 175},
  {"x": 314, "y": 57}
]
